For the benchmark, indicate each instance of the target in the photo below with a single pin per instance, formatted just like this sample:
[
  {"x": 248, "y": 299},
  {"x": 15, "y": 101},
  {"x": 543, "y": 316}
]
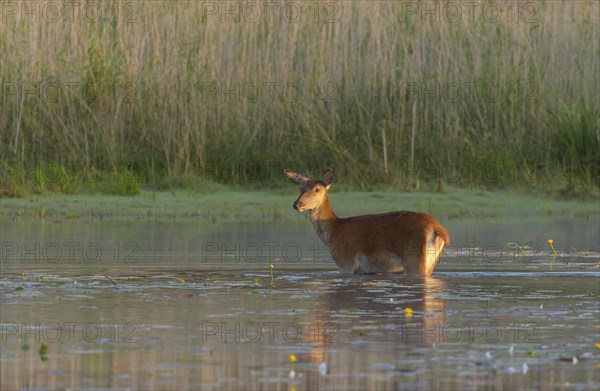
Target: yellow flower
[
  {"x": 550, "y": 241},
  {"x": 408, "y": 311},
  {"x": 292, "y": 358},
  {"x": 597, "y": 345},
  {"x": 181, "y": 281}
]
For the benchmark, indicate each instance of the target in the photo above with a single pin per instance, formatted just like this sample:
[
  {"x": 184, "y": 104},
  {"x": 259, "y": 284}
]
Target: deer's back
[{"x": 378, "y": 234}]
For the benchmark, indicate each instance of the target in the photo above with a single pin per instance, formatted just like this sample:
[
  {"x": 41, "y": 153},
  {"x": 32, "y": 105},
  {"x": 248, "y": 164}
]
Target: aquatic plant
[{"x": 550, "y": 242}]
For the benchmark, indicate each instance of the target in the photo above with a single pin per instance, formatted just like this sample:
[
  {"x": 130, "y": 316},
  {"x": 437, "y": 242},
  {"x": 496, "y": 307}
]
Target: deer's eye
[{"x": 318, "y": 189}]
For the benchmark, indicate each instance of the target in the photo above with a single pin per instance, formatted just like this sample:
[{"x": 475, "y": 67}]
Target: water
[{"x": 189, "y": 305}]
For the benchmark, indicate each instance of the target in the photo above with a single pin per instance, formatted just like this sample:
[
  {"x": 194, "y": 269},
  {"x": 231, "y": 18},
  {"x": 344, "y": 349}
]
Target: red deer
[{"x": 403, "y": 241}]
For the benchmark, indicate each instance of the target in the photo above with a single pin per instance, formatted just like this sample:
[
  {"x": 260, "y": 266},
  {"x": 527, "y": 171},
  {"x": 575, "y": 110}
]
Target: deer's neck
[{"x": 323, "y": 220}]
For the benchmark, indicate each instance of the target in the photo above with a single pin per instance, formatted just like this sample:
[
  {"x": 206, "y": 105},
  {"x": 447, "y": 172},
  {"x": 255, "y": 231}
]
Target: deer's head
[{"x": 312, "y": 192}]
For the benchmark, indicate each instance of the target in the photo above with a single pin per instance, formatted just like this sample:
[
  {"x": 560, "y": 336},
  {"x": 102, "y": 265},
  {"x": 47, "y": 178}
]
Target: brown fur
[{"x": 386, "y": 242}]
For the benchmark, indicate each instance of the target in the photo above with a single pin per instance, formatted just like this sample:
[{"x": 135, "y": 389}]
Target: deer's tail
[{"x": 432, "y": 248}]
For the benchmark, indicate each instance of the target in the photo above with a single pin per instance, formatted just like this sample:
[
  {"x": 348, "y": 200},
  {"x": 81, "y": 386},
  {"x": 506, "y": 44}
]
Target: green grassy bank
[{"x": 224, "y": 204}]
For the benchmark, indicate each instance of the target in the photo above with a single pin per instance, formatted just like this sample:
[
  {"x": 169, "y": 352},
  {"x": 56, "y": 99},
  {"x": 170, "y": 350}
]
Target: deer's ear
[
  {"x": 295, "y": 177},
  {"x": 328, "y": 177}
]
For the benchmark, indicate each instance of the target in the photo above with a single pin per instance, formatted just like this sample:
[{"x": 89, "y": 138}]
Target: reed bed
[{"x": 382, "y": 91}]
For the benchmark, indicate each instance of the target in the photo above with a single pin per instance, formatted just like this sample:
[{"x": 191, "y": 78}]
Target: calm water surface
[{"x": 190, "y": 305}]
